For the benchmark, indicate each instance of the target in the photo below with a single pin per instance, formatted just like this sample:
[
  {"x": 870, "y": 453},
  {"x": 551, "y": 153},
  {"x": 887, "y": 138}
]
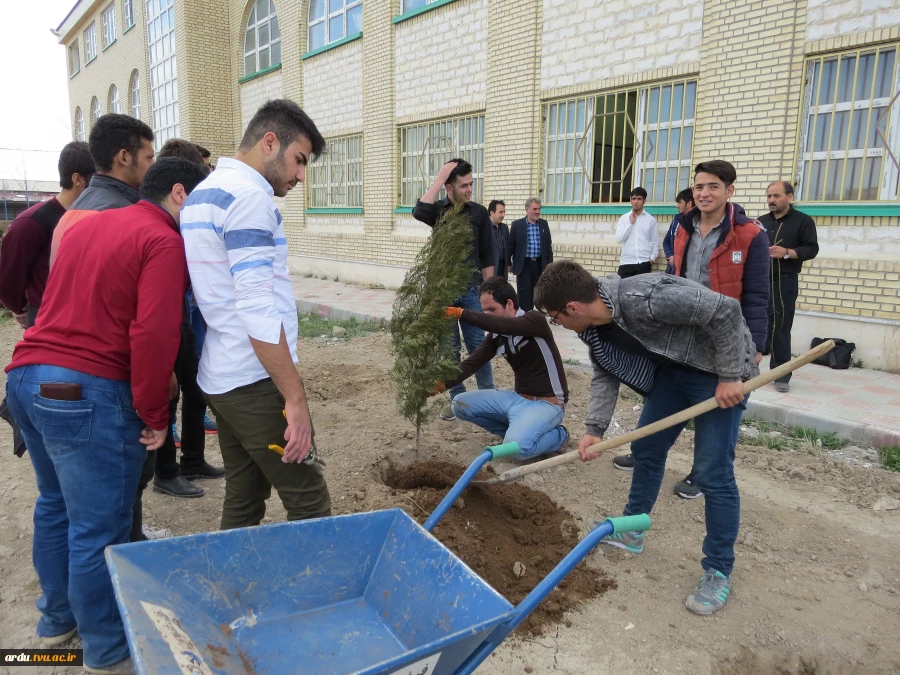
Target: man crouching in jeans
[
  {"x": 89, "y": 385},
  {"x": 677, "y": 343}
]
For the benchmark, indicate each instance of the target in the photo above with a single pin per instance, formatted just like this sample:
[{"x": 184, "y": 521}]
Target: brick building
[{"x": 574, "y": 101}]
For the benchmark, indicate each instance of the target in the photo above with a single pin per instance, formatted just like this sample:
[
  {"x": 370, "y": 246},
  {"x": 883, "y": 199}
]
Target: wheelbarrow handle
[{"x": 490, "y": 452}]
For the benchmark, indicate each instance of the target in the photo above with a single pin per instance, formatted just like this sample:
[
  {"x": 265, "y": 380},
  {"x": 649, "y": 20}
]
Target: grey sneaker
[
  {"x": 123, "y": 667},
  {"x": 151, "y": 534},
  {"x": 624, "y": 462},
  {"x": 710, "y": 594},
  {"x": 782, "y": 387},
  {"x": 58, "y": 639},
  {"x": 447, "y": 414},
  {"x": 687, "y": 488},
  {"x": 633, "y": 542}
]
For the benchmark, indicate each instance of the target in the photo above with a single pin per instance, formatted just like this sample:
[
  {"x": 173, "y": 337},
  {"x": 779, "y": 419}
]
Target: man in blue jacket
[{"x": 684, "y": 202}]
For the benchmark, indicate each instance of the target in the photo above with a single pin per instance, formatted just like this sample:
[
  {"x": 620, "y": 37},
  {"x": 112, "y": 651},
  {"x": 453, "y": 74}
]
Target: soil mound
[{"x": 511, "y": 535}]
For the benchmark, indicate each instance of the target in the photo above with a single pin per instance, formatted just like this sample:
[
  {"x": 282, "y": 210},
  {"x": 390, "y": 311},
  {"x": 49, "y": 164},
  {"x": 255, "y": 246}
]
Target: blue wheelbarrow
[{"x": 363, "y": 594}]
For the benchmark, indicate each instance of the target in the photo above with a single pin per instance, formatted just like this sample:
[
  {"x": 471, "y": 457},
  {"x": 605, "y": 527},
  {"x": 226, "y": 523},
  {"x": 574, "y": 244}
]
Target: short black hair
[
  {"x": 75, "y": 158},
  {"x": 168, "y": 172},
  {"x": 788, "y": 188},
  {"x": 492, "y": 207},
  {"x": 112, "y": 133},
  {"x": 639, "y": 192},
  {"x": 686, "y": 196},
  {"x": 178, "y": 147},
  {"x": 500, "y": 290},
  {"x": 204, "y": 153},
  {"x": 463, "y": 168},
  {"x": 719, "y": 168},
  {"x": 564, "y": 282},
  {"x": 288, "y": 122}
]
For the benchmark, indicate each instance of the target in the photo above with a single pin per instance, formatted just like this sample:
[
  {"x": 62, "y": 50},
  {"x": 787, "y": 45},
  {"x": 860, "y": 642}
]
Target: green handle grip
[
  {"x": 504, "y": 449},
  {"x": 638, "y": 523}
]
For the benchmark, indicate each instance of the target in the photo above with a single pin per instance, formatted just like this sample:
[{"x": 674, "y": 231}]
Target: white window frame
[
  {"x": 74, "y": 65},
  {"x": 90, "y": 43},
  {"x": 108, "y": 21},
  {"x": 163, "y": 71},
  {"x": 112, "y": 104},
  {"x": 128, "y": 13},
  {"x": 426, "y": 146},
  {"x": 79, "y": 125},
  {"x": 874, "y": 108},
  {"x": 327, "y": 17},
  {"x": 406, "y": 8},
  {"x": 95, "y": 111},
  {"x": 135, "y": 89},
  {"x": 254, "y": 24},
  {"x": 335, "y": 179}
]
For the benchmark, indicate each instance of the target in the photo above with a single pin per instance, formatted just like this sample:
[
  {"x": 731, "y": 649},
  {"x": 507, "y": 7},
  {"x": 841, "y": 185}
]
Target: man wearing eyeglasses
[{"x": 677, "y": 343}]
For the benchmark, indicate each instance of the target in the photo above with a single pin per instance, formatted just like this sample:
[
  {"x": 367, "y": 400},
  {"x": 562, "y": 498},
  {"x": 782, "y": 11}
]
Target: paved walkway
[{"x": 858, "y": 404}]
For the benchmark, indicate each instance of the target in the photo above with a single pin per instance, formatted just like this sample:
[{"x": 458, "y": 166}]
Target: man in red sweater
[{"x": 89, "y": 385}]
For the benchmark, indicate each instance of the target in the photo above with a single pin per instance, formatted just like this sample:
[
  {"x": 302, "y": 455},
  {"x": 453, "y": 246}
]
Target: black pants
[
  {"x": 137, "y": 509},
  {"x": 526, "y": 281},
  {"x": 626, "y": 271},
  {"x": 782, "y": 300}
]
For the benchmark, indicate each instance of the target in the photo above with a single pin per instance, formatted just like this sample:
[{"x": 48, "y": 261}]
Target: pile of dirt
[{"x": 511, "y": 535}]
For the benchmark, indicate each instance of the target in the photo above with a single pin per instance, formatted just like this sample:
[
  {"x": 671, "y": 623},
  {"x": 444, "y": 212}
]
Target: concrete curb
[{"x": 336, "y": 313}]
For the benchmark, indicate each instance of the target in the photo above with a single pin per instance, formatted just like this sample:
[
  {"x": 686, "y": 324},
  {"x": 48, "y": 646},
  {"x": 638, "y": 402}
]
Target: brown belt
[{"x": 549, "y": 399}]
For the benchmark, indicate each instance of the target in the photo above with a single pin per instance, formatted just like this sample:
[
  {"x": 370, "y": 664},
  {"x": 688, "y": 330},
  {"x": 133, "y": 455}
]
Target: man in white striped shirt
[{"x": 237, "y": 259}]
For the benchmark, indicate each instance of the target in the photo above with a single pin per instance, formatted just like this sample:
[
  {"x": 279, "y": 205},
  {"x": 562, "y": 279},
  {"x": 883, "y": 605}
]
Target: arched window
[
  {"x": 113, "y": 103},
  {"x": 135, "y": 96},
  {"x": 262, "y": 41},
  {"x": 79, "y": 125},
  {"x": 95, "y": 111},
  {"x": 333, "y": 20}
]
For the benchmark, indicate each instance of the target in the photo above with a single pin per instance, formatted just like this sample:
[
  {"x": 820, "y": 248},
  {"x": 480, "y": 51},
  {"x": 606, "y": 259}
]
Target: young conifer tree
[{"x": 421, "y": 338}]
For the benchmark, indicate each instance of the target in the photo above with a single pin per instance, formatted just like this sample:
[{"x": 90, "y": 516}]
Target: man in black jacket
[
  {"x": 500, "y": 236},
  {"x": 456, "y": 178},
  {"x": 792, "y": 239},
  {"x": 532, "y": 250}
]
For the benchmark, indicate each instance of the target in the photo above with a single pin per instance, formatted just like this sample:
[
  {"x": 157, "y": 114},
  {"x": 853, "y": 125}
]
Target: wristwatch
[{"x": 787, "y": 256}]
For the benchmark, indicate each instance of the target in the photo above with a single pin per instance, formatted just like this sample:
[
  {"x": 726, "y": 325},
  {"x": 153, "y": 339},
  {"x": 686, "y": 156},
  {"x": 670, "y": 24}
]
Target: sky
[{"x": 34, "y": 72}]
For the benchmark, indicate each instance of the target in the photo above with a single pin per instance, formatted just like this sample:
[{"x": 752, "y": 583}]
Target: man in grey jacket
[{"x": 678, "y": 344}]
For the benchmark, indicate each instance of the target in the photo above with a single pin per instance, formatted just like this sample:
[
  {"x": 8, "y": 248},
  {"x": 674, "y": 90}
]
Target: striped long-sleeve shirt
[{"x": 237, "y": 259}]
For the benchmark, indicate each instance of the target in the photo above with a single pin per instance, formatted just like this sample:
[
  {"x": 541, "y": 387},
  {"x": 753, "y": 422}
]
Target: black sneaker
[
  {"x": 177, "y": 487},
  {"x": 624, "y": 462},
  {"x": 205, "y": 470},
  {"x": 687, "y": 488}
]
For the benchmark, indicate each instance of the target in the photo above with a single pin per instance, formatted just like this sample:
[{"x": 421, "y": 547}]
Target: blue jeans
[
  {"x": 474, "y": 337},
  {"x": 535, "y": 425},
  {"x": 87, "y": 460},
  {"x": 197, "y": 323},
  {"x": 716, "y": 433}
]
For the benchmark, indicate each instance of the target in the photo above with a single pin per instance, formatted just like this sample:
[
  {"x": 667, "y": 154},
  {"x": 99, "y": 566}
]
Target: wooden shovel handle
[{"x": 665, "y": 423}]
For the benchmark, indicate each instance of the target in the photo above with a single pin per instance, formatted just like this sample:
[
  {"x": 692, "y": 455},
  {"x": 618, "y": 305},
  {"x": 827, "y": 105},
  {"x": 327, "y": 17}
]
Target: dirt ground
[{"x": 815, "y": 585}]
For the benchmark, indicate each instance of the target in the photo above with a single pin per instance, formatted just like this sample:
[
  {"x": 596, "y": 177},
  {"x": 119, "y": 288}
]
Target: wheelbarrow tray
[{"x": 370, "y": 593}]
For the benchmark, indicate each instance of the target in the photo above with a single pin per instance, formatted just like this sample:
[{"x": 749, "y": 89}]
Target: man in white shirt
[
  {"x": 638, "y": 234},
  {"x": 237, "y": 259}
]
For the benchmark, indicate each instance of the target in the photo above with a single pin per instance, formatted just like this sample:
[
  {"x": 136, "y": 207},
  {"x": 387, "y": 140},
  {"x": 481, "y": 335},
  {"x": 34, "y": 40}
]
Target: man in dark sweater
[
  {"x": 792, "y": 239},
  {"x": 455, "y": 177},
  {"x": 532, "y": 415}
]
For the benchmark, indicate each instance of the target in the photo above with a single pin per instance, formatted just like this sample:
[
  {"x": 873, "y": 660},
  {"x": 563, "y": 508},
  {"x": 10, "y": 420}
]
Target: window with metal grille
[
  {"x": 74, "y": 62},
  {"x": 262, "y": 39},
  {"x": 108, "y": 19},
  {"x": 425, "y": 148},
  {"x": 113, "y": 101},
  {"x": 79, "y": 125},
  {"x": 129, "y": 13},
  {"x": 90, "y": 43},
  {"x": 847, "y": 127},
  {"x": 163, "y": 72},
  {"x": 336, "y": 178},
  {"x": 95, "y": 111},
  {"x": 135, "y": 95},
  {"x": 598, "y": 147},
  {"x": 410, "y": 5},
  {"x": 333, "y": 20}
]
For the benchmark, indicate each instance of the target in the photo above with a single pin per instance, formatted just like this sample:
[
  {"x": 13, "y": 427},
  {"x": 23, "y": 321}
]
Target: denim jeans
[
  {"x": 197, "y": 323},
  {"x": 715, "y": 437},
  {"x": 535, "y": 425},
  {"x": 474, "y": 337},
  {"x": 87, "y": 458}
]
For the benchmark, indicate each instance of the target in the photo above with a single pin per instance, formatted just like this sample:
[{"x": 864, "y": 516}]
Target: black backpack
[{"x": 839, "y": 357}]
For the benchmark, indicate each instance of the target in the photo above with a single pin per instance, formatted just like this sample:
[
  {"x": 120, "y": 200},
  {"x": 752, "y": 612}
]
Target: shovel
[{"x": 665, "y": 423}]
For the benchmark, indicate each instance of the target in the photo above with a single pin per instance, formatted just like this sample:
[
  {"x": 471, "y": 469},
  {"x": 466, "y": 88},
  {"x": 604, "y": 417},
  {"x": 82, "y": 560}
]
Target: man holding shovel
[{"x": 679, "y": 344}]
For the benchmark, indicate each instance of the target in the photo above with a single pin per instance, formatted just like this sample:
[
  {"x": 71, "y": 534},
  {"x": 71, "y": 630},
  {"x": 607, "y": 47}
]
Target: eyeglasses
[{"x": 553, "y": 321}]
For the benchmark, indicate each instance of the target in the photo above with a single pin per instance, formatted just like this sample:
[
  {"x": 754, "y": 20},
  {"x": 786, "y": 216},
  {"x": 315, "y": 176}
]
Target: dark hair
[
  {"x": 639, "y": 192},
  {"x": 686, "y": 196},
  {"x": 788, "y": 188},
  {"x": 564, "y": 282},
  {"x": 168, "y": 172},
  {"x": 112, "y": 133},
  {"x": 463, "y": 168},
  {"x": 719, "y": 168},
  {"x": 288, "y": 122},
  {"x": 492, "y": 207},
  {"x": 178, "y": 147},
  {"x": 500, "y": 290},
  {"x": 75, "y": 158},
  {"x": 204, "y": 153}
]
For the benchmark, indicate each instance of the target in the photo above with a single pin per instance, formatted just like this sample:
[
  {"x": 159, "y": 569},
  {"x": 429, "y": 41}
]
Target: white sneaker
[
  {"x": 123, "y": 667},
  {"x": 58, "y": 639},
  {"x": 152, "y": 534}
]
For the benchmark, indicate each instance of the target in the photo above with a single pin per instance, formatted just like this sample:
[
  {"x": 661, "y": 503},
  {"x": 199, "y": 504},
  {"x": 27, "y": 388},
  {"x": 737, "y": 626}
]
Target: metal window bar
[{"x": 335, "y": 179}]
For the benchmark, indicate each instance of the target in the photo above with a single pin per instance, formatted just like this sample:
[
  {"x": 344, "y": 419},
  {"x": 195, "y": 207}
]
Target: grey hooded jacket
[{"x": 678, "y": 321}]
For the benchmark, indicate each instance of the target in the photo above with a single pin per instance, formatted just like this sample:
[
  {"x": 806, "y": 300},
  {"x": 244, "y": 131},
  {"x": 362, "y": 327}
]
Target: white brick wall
[
  {"x": 833, "y": 18},
  {"x": 441, "y": 59},
  {"x": 407, "y": 226},
  {"x": 590, "y": 40},
  {"x": 335, "y": 224},
  {"x": 332, "y": 89},
  {"x": 256, "y": 92}
]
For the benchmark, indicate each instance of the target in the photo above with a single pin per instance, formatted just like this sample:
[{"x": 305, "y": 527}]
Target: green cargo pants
[{"x": 250, "y": 419}]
